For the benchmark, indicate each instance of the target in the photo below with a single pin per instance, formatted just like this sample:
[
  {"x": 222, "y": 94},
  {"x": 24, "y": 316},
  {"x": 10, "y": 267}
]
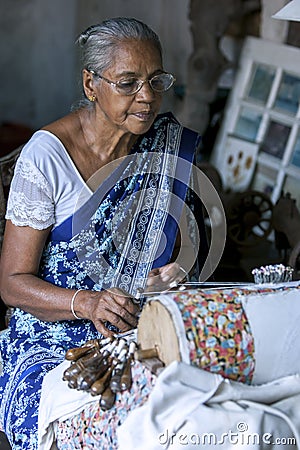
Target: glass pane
[
  {"x": 296, "y": 154},
  {"x": 264, "y": 180},
  {"x": 291, "y": 186},
  {"x": 247, "y": 124},
  {"x": 288, "y": 94},
  {"x": 275, "y": 139},
  {"x": 261, "y": 82}
]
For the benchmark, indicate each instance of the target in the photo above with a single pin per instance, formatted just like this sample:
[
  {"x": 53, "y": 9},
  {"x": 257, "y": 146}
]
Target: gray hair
[{"x": 99, "y": 42}]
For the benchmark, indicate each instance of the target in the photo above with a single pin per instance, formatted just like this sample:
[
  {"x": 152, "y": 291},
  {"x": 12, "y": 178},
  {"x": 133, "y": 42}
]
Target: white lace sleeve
[{"x": 30, "y": 201}]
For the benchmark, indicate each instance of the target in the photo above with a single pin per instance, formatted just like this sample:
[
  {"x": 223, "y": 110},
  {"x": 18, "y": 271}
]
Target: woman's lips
[{"x": 144, "y": 115}]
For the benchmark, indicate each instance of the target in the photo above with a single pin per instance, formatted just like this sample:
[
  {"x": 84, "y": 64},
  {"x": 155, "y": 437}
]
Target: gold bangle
[{"x": 72, "y": 304}]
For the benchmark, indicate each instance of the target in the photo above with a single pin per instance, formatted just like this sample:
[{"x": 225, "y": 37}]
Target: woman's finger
[
  {"x": 125, "y": 301},
  {"x": 99, "y": 325},
  {"x": 116, "y": 309},
  {"x": 169, "y": 272}
]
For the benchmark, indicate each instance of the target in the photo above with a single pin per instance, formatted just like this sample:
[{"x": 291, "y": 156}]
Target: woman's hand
[
  {"x": 113, "y": 305},
  {"x": 165, "y": 277}
]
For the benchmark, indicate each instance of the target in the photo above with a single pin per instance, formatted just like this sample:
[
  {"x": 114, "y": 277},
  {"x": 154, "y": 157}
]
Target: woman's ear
[{"x": 88, "y": 84}]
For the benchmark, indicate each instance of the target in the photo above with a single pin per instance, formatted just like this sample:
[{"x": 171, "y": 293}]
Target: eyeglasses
[{"x": 130, "y": 86}]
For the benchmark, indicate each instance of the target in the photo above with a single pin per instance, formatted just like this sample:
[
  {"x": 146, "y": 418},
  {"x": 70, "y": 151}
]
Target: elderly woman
[{"x": 93, "y": 216}]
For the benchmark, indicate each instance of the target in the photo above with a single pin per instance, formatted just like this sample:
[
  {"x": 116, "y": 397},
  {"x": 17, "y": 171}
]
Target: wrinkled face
[{"x": 134, "y": 113}]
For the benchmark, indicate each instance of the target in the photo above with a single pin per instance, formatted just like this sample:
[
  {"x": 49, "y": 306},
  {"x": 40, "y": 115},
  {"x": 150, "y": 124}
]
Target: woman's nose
[{"x": 146, "y": 92}]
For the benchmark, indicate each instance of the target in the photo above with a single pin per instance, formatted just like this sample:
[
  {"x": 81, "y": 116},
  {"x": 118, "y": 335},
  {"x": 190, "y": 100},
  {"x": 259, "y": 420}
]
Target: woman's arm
[{"x": 20, "y": 286}]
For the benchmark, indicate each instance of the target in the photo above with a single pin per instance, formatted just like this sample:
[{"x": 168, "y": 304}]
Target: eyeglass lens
[
  {"x": 162, "y": 82},
  {"x": 159, "y": 83}
]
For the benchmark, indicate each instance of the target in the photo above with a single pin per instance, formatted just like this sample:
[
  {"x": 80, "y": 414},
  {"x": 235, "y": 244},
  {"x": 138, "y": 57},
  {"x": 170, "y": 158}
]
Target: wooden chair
[{"x": 7, "y": 166}]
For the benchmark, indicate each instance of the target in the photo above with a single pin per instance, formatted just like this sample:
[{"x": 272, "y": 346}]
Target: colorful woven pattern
[{"x": 218, "y": 333}]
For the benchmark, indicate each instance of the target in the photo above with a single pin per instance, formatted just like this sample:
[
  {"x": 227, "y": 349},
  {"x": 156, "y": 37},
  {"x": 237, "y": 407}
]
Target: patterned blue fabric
[{"x": 112, "y": 240}]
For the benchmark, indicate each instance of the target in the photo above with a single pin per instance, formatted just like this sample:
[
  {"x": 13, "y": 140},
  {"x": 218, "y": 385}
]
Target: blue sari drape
[
  {"x": 126, "y": 228},
  {"x": 129, "y": 225}
]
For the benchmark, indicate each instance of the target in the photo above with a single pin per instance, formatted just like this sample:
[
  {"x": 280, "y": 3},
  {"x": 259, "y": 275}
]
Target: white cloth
[
  {"x": 58, "y": 401},
  {"x": 188, "y": 405}
]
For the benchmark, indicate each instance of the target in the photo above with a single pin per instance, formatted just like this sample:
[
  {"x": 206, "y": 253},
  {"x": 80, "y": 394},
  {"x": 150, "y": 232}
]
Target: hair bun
[{"x": 82, "y": 39}]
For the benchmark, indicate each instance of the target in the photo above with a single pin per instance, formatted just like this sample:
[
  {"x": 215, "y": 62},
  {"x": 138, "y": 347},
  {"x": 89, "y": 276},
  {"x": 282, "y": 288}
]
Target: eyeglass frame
[{"x": 140, "y": 82}]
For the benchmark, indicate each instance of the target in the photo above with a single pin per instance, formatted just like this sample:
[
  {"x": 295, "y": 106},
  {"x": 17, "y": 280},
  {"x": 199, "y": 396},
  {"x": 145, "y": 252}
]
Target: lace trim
[
  {"x": 27, "y": 171},
  {"x": 30, "y": 199}
]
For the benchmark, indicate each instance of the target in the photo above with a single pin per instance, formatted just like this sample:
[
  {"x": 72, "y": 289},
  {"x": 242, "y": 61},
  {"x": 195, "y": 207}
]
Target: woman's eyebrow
[{"x": 135, "y": 74}]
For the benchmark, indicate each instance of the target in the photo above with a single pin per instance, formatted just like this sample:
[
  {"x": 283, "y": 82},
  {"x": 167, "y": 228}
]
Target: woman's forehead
[{"x": 131, "y": 56}]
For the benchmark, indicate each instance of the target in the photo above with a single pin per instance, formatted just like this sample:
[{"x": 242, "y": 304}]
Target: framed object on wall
[{"x": 261, "y": 123}]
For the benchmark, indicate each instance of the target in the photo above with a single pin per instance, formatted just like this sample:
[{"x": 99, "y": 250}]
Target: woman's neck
[{"x": 102, "y": 139}]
